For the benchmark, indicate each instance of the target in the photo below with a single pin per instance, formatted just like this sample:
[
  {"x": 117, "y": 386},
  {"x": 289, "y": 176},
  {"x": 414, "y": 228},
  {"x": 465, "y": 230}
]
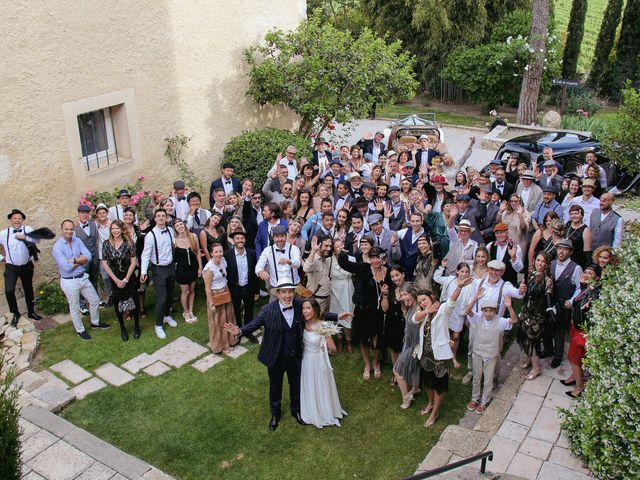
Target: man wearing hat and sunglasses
[
  {"x": 18, "y": 264},
  {"x": 321, "y": 158},
  {"x": 529, "y": 192}
]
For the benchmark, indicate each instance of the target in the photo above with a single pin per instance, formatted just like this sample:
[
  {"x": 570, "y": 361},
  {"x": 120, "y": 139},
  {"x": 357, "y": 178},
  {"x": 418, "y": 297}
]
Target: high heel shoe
[
  {"x": 377, "y": 372},
  {"x": 136, "y": 332},
  {"x": 568, "y": 384},
  {"x": 407, "y": 400},
  {"x": 366, "y": 374},
  {"x": 430, "y": 422},
  {"x": 124, "y": 335}
]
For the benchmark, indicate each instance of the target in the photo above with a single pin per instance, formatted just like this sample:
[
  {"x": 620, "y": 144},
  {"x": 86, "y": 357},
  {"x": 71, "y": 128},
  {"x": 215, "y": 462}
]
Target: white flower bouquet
[{"x": 326, "y": 329}]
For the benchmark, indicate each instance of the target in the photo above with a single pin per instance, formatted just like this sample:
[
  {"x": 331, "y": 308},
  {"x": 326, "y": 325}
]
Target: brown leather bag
[{"x": 221, "y": 298}]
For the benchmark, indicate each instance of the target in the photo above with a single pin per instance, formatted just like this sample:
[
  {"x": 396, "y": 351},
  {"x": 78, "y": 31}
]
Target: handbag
[
  {"x": 221, "y": 298},
  {"x": 303, "y": 292}
]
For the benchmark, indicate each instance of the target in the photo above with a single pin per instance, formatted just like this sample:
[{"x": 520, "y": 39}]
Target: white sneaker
[
  {"x": 171, "y": 322},
  {"x": 160, "y": 333}
]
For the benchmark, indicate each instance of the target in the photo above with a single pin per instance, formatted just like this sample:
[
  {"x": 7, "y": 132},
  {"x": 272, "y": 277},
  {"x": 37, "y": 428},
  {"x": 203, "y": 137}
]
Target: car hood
[{"x": 561, "y": 142}]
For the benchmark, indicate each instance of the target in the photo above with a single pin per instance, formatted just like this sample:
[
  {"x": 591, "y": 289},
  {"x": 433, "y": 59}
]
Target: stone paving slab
[
  {"x": 237, "y": 351},
  {"x": 525, "y": 466},
  {"x": 555, "y": 401},
  {"x": 562, "y": 456},
  {"x": 492, "y": 418},
  {"x": 123, "y": 463},
  {"x": 114, "y": 375},
  {"x": 54, "y": 396},
  {"x": 503, "y": 451},
  {"x": 71, "y": 371},
  {"x": 547, "y": 426},
  {"x": 45, "y": 419},
  {"x": 538, "y": 386},
  {"x": 33, "y": 476},
  {"x": 39, "y": 442},
  {"x": 525, "y": 409},
  {"x": 207, "y": 362},
  {"x": 156, "y": 369},
  {"x": 155, "y": 474},
  {"x": 25, "y": 399},
  {"x": 97, "y": 471},
  {"x": 27, "y": 429},
  {"x": 536, "y": 448},
  {"x": 551, "y": 471},
  {"x": 437, "y": 457},
  {"x": 512, "y": 431},
  {"x": 50, "y": 377},
  {"x": 180, "y": 352},
  {"x": 92, "y": 385},
  {"x": 29, "y": 380},
  {"x": 138, "y": 363},
  {"x": 462, "y": 441},
  {"x": 48, "y": 462}
]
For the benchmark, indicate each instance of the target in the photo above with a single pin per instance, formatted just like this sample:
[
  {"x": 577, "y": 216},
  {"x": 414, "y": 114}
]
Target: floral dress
[
  {"x": 533, "y": 314},
  {"x": 119, "y": 261}
]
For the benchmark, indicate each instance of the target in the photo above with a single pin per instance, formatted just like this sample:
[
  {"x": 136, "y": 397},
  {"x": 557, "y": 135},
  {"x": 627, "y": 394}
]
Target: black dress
[
  {"x": 186, "y": 266},
  {"x": 368, "y": 317},
  {"x": 547, "y": 246},
  {"x": 394, "y": 323},
  {"x": 119, "y": 261},
  {"x": 533, "y": 314},
  {"x": 575, "y": 235}
]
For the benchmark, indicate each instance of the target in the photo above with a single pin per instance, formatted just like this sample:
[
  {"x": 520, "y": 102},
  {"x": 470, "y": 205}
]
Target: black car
[{"x": 569, "y": 149}]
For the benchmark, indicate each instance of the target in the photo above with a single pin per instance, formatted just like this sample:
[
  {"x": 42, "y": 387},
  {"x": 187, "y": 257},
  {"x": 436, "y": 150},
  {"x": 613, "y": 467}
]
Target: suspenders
[
  {"x": 9, "y": 249},
  {"x": 155, "y": 244},
  {"x": 275, "y": 263},
  {"x": 499, "y": 294}
]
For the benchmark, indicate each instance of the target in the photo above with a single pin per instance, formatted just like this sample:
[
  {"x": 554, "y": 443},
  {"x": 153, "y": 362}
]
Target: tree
[
  {"x": 430, "y": 29},
  {"x": 605, "y": 41},
  {"x": 532, "y": 78},
  {"x": 574, "y": 38},
  {"x": 621, "y": 141},
  {"x": 325, "y": 74},
  {"x": 628, "y": 45}
]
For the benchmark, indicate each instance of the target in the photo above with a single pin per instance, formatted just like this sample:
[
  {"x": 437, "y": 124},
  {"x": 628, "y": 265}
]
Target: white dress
[
  {"x": 319, "y": 402},
  {"x": 341, "y": 292}
]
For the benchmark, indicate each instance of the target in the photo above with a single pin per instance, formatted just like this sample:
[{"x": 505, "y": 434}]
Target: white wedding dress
[{"x": 319, "y": 402}]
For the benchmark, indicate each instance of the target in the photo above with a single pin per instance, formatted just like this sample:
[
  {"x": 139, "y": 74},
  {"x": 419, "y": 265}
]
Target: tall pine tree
[
  {"x": 574, "y": 39},
  {"x": 604, "y": 45},
  {"x": 628, "y": 46}
]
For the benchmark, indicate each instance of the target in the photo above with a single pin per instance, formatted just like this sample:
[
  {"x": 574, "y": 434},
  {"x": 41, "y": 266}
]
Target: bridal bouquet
[{"x": 326, "y": 329}]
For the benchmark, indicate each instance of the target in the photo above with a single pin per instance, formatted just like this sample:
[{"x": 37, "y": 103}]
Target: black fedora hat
[{"x": 16, "y": 211}]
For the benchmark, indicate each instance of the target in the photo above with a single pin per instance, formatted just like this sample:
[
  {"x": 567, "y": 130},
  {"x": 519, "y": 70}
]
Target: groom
[{"x": 281, "y": 348}]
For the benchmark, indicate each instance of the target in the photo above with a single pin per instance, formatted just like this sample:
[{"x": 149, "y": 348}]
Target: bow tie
[
  {"x": 284, "y": 309},
  {"x": 165, "y": 231},
  {"x": 291, "y": 162},
  {"x": 84, "y": 225},
  {"x": 228, "y": 182},
  {"x": 278, "y": 250},
  {"x": 17, "y": 231},
  {"x": 181, "y": 198}
]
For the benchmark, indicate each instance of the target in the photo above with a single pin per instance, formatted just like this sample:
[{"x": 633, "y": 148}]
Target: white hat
[
  {"x": 285, "y": 282},
  {"x": 497, "y": 265},
  {"x": 489, "y": 304},
  {"x": 464, "y": 223}
]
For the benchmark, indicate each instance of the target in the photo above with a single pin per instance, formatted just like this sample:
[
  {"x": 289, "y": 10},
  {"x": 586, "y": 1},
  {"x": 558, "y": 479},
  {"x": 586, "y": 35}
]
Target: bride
[{"x": 319, "y": 402}]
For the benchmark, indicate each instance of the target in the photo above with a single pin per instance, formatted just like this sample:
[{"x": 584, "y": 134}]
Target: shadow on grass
[{"x": 214, "y": 425}]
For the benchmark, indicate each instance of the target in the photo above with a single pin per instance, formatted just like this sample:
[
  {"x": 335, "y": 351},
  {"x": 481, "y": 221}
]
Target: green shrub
[
  {"x": 253, "y": 153},
  {"x": 583, "y": 99},
  {"x": 621, "y": 142},
  {"x": 10, "y": 463},
  {"x": 51, "y": 299},
  {"x": 594, "y": 124},
  {"x": 603, "y": 427},
  {"x": 512, "y": 24}
]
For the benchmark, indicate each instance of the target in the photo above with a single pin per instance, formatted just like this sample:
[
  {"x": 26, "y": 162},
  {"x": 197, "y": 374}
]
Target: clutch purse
[
  {"x": 303, "y": 292},
  {"x": 221, "y": 298}
]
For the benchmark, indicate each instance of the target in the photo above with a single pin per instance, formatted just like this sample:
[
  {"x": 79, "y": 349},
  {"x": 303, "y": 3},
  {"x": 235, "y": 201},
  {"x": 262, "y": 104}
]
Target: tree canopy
[{"x": 325, "y": 74}]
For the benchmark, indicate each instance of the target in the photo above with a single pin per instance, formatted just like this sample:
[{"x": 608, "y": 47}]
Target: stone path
[
  {"x": 522, "y": 429},
  {"x": 54, "y": 449}
]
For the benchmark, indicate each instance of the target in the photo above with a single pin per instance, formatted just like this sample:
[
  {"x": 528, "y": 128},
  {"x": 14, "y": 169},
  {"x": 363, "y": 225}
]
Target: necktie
[
  {"x": 284, "y": 309},
  {"x": 181, "y": 198},
  {"x": 196, "y": 218},
  {"x": 165, "y": 231},
  {"x": 278, "y": 250},
  {"x": 378, "y": 237}
]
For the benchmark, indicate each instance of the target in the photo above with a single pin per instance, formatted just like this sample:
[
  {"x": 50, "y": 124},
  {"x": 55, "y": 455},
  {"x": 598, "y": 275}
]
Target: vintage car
[
  {"x": 407, "y": 131},
  {"x": 569, "y": 149}
]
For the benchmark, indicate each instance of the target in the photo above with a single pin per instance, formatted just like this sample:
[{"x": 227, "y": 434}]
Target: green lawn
[
  {"x": 214, "y": 425},
  {"x": 595, "y": 14},
  {"x": 442, "y": 116}
]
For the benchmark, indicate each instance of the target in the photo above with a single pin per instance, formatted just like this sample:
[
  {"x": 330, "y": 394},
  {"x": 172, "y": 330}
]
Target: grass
[
  {"x": 214, "y": 425},
  {"x": 593, "y": 20},
  {"x": 442, "y": 116}
]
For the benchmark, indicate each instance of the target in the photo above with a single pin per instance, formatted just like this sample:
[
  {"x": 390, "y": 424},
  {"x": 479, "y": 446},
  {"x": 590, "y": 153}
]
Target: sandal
[
  {"x": 377, "y": 372},
  {"x": 533, "y": 374},
  {"x": 366, "y": 374},
  {"x": 406, "y": 401},
  {"x": 481, "y": 409},
  {"x": 430, "y": 422},
  {"x": 472, "y": 405},
  {"x": 525, "y": 365},
  {"x": 456, "y": 363},
  {"x": 426, "y": 410},
  {"x": 393, "y": 382}
]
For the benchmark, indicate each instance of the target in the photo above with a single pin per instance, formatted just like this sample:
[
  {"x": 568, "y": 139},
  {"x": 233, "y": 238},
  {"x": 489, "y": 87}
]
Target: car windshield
[{"x": 416, "y": 120}]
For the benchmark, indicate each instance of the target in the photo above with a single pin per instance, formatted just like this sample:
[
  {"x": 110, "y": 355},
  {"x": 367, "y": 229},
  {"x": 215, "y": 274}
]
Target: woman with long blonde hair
[{"x": 188, "y": 267}]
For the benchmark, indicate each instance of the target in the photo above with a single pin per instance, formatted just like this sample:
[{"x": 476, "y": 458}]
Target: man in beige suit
[{"x": 528, "y": 191}]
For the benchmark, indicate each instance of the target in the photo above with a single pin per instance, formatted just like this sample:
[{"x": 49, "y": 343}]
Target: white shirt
[
  {"x": 219, "y": 273},
  {"x": 588, "y": 205},
  {"x": 103, "y": 234},
  {"x": 395, "y": 179},
  {"x": 478, "y": 319},
  {"x": 524, "y": 195},
  {"x": 165, "y": 243},
  {"x": 117, "y": 213},
  {"x": 340, "y": 202},
  {"x": 414, "y": 235},
  {"x": 492, "y": 291},
  {"x": 502, "y": 250},
  {"x": 203, "y": 216},
  {"x": 180, "y": 207},
  {"x": 287, "y": 314},
  {"x": 323, "y": 161},
  {"x": 243, "y": 267},
  {"x": 227, "y": 184},
  {"x": 15, "y": 250},
  {"x": 375, "y": 152},
  {"x": 270, "y": 258}
]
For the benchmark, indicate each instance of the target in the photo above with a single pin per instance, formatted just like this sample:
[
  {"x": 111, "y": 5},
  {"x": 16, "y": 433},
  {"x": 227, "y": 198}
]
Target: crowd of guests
[{"x": 418, "y": 247}]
